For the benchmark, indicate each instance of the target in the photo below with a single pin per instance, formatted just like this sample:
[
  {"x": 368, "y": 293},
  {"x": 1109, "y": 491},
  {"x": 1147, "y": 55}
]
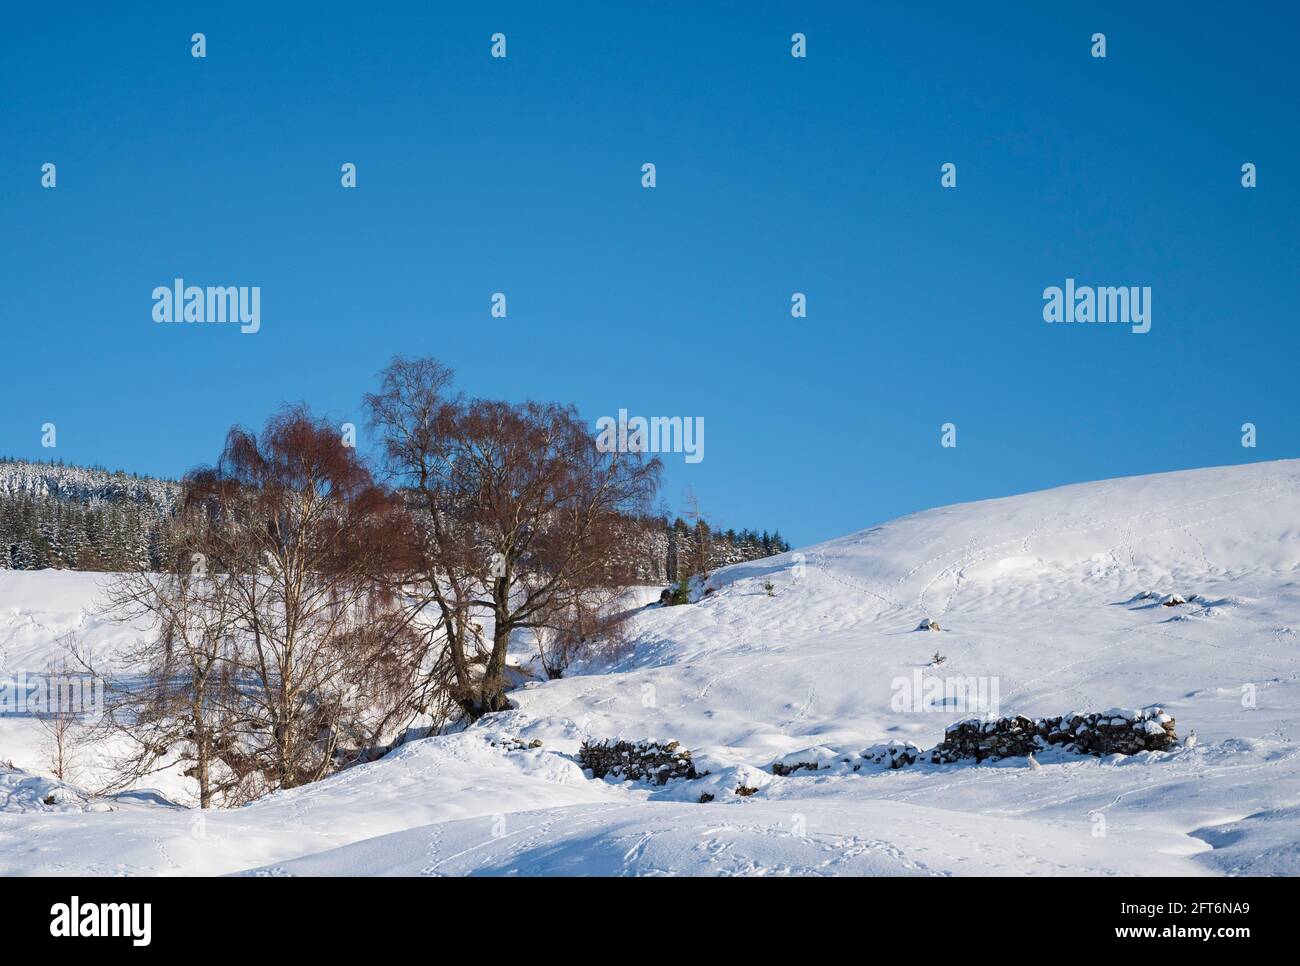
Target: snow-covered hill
[
  {"x": 1051, "y": 600},
  {"x": 80, "y": 484}
]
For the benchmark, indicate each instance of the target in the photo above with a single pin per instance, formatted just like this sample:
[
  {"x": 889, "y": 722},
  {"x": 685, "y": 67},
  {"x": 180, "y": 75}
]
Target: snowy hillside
[{"x": 1052, "y": 601}]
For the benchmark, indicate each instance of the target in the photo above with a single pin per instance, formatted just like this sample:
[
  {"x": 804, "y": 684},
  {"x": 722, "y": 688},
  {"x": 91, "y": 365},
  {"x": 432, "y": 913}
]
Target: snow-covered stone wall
[
  {"x": 1117, "y": 731},
  {"x": 636, "y": 760}
]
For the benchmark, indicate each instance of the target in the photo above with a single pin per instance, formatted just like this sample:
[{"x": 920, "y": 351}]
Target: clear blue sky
[{"x": 775, "y": 175}]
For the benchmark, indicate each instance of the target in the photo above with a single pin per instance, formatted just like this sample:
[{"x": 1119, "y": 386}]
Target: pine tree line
[
  {"x": 679, "y": 549},
  {"x": 79, "y": 518}
]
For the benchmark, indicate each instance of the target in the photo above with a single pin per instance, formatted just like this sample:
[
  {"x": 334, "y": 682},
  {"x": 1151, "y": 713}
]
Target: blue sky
[{"x": 775, "y": 175}]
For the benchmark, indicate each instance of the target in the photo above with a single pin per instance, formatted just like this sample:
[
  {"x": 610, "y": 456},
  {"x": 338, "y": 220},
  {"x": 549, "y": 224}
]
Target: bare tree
[
  {"x": 60, "y": 719},
  {"x": 701, "y": 556},
  {"x": 178, "y": 702},
  {"x": 525, "y": 513},
  {"x": 415, "y": 412},
  {"x": 305, "y": 536},
  {"x": 588, "y": 624},
  {"x": 278, "y": 656}
]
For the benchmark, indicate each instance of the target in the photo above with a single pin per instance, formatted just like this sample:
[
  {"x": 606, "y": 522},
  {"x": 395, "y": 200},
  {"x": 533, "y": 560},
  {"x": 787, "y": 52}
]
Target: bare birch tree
[
  {"x": 305, "y": 536},
  {"x": 177, "y": 701},
  {"x": 525, "y": 513}
]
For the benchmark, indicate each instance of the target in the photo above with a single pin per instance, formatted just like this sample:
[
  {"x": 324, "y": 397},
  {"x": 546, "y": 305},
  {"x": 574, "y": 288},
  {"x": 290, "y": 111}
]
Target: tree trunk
[
  {"x": 492, "y": 689},
  {"x": 205, "y": 783}
]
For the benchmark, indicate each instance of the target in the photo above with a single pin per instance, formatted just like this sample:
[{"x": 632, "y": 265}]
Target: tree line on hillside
[
  {"x": 39, "y": 533},
  {"x": 54, "y": 516},
  {"x": 321, "y": 607},
  {"x": 696, "y": 547},
  {"x": 79, "y": 518}
]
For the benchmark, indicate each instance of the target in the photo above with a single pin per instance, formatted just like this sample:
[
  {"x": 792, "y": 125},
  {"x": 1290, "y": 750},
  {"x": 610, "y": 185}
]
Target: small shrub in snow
[
  {"x": 770, "y": 588},
  {"x": 637, "y": 760},
  {"x": 679, "y": 593}
]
